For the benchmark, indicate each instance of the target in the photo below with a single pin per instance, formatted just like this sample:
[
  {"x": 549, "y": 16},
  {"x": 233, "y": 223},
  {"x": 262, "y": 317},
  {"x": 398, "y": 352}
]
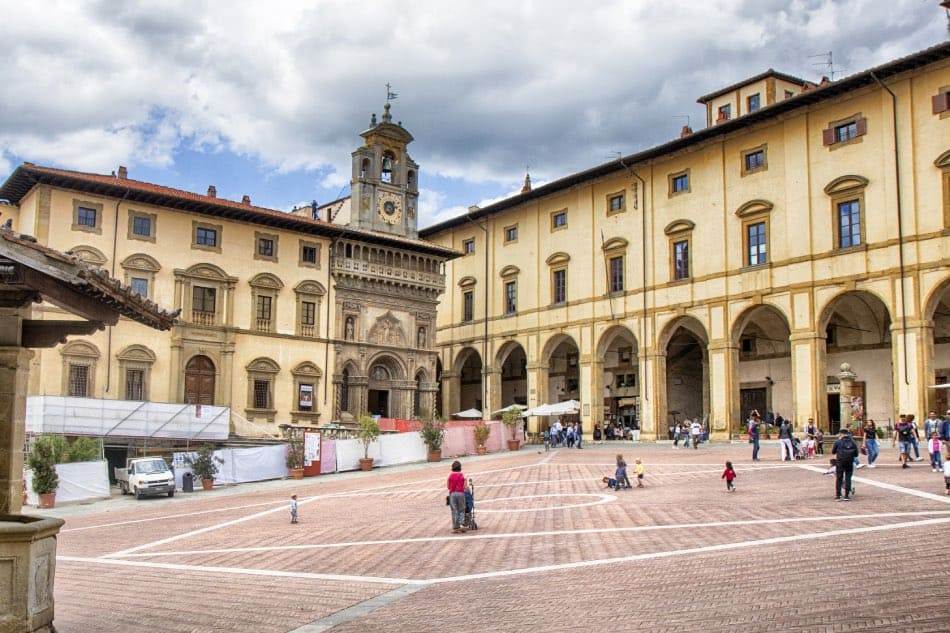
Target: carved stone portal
[{"x": 387, "y": 331}]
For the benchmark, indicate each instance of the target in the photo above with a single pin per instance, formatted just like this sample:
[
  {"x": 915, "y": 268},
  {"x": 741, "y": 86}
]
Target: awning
[
  {"x": 568, "y": 407},
  {"x": 469, "y": 414},
  {"x": 510, "y": 407},
  {"x": 943, "y": 386}
]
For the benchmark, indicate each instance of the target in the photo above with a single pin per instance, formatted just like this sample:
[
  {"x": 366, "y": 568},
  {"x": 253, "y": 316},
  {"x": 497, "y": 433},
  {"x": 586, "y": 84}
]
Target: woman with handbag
[
  {"x": 869, "y": 447},
  {"x": 456, "y": 498}
]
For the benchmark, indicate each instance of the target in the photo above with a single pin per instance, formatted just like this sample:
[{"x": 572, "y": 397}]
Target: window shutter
[
  {"x": 862, "y": 126},
  {"x": 828, "y": 136},
  {"x": 941, "y": 102}
]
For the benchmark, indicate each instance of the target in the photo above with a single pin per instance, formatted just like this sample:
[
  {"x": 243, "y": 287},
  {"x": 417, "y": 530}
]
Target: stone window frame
[
  {"x": 615, "y": 247},
  {"x": 828, "y": 133},
  {"x": 744, "y": 154},
  {"x": 300, "y": 260},
  {"x": 314, "y": 292},
  {"x": 274, "y": 237},
  {"x": 261, "y": 368},
  {"x": 943, "y": 164},
  {"x": 89, "y": 255},
  {"x": 505, "y": 231},
  {"x": 559, "y": 262},
  {"x": 748, "y": 102},
  {"x": 940, "y": 102},
  {"x": 754, "y": 212},
  {"x": 142, "y": 266},
  {"x": 195, "y": 225},
  {"x": 845, "y": 189},
  {"x": 80, "y": 352},
  {"x": 622, "y": 194},
  {"x": 553, "y": 215},
  {"x": 305, "y": 373},
  {"x": 509, "y": 274},
  {"x": 205, "y": 275},
  {"x": 465, "y": 243},
  {"x": 97, "y": 206},
  {"x": 153, "y": 219},
  {"x": 673, "y": 176},
  {"x": 136, "y": 357},
  {"x": 264, "y": 285},
  {"x": 680, "y": 231}
]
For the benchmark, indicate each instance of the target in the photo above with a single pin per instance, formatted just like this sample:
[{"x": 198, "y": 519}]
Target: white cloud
[{"x": 485, "y": 87}]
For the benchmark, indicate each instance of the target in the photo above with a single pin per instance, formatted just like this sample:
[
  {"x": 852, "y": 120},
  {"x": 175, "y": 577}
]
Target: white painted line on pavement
[
  {"x": 601, "y": 499},
  {"x": 886, "y": 486}
]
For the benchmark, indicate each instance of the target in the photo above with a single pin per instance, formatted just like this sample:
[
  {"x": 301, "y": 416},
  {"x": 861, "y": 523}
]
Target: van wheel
[
  {"x": 123, "y": 489},
  {"x": 138, "y": 494},
  {"x": 171, "y": 493}
]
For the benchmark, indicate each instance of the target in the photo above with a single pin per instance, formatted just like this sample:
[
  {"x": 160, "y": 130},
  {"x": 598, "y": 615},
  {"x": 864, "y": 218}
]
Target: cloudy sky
[{"x": 268, "y": 98}]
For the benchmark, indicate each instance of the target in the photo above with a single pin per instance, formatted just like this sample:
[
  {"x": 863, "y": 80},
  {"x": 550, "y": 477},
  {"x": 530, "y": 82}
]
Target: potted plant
[
  {"x": 205, "y": 465},
  {"x": 295, "y": 458},
  {"x": 42, "y": 461},
  {"x": 481, "y": 431},
  {"x": 512, "y": 418},
  {"x": 433, "y": 434},
  {"x": 367, "y": 434}
]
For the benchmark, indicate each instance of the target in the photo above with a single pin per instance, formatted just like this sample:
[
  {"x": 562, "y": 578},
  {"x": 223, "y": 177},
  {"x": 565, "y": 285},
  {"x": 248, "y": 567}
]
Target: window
[
  {"x": 616, "y": 273},
  {"x": 849, "y": 223},
  {"x": 754, "y": 160},
  {"x": 305, "y": 396},
  {"x": 78, "y": 381},
  {"x": 678, "y": 183},
  {"x": 511, "y": 297},
  {"x": 756, "y": 245},
  {"x": 747, "y": 345},
  {"x": 681, "y": 259},
  {"x": 203, "y": 304},
  {"x": 846, "y": 132},
  {"x": 86, "y": 217},
  {"x": 752, "y": 101},
  {"x": 141, "y": 225},
  {"x": 559, "y": 286},
  {"x": 263, "y": 312},
  {"x": 626, "y": 380},
  {"x": 468, "y": 247},
  {"x": 309, "y": 294},
  {"x": 135, "y": 384},
  {"x": 308, "y": 254},
  {"x": 789, "y": 94},
  {"x": 725, "y": 111},
  {"x": 262, "y": 394},
  {"x": 558, "y": 220},
  {"x": 265, "y": 247},
  {"x": 940, "y": 102},
  {"x": 206, "y": 237},
  {"x": 468, "y": 305},
  {"x": 615, "y": 203},
  {"x": 308, "y": 313},
  {"x": 511, "y": 234},
  {"x": 139, "y": 285}
]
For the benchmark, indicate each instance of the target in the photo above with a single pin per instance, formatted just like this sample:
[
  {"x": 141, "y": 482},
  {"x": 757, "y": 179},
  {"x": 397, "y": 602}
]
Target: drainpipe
[
  {"x": 900, "y": 220},
  {"x": 644, "y": 385},
  {"x": 115, "y": 239}
]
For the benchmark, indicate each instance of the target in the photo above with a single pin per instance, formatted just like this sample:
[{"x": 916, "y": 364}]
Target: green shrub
[
  {"x": 54, "y": 445},
  {"x": 42, "y": 461},
  {"x": 512, "y": 418},
  {"x": 482, "y": 431},
  {"x": 205, "y": 464},
  {"x": 295, "y": 452},
  {"x": 433, "y": 434},
  {"x": 368, "y": 432},
  {"x": 83, "y": 449}
]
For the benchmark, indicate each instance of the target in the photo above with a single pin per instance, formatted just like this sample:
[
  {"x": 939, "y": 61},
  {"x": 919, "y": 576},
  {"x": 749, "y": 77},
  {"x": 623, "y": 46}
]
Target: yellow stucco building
[{"x": 735, "y": 267}]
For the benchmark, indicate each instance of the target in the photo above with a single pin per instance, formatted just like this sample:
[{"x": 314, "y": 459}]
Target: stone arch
[
  {"x": 867, "y": 295},
  {"x": 615, "y": 244},
  {"x": 310, "y": 287},
  {"x": 943, "y": 161},
  {"x": 687, "y": 322},
  {"x": 935, "y": 296},
  {"x": 463, "y": 355},
  {"x": 936, "y": 343},
  {"x": 83, "y": 349},
  {"x": 615, "y": 381},
  {"x": 553, "y": 343},
  {"x": 505, "y": 350},
  {"x": 263, "y": 364},
  {"x": 136, "y": 353},
  {"x": 508, "y": 380},
  {"x": 207, "y": 271},
  {"x": 746, "y": 315},
  {"x": 141, "y": 261},
  {"x": 465, "y": 389},
  {"x": 266, "y": 280},
  {"x": 306, "y": 368},
  {"x": 555, "y": 259},
  {"x": 610, "y": 336},
  {"x": 395, "y": 367},
  {"x": 763, "y": 379},
  {"x": 88, "y": 254},
  {"x": 560, "y": 369}
]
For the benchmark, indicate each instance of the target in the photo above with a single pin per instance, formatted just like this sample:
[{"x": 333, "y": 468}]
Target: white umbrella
[
  {"x": 943, "y": 386},
  {"x": 510, "y": 407},
  {"x": 471, "y": 414},
  {"x": 568, "y": 407}
]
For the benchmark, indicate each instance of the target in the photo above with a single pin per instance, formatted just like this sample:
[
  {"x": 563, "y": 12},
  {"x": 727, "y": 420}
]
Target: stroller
[
  {"x": 469, "y": 520},
  {"x": 798, "y": 448}
]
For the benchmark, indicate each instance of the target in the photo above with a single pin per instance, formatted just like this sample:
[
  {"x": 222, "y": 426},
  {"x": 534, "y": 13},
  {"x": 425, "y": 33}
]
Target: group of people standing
[
  {"x": 691, "y": 432},
  {"x": 561, "y": 435}
]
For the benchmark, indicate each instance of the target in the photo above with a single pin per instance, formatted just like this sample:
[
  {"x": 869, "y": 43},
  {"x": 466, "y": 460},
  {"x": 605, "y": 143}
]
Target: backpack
[{"x": 847, "y": 450}]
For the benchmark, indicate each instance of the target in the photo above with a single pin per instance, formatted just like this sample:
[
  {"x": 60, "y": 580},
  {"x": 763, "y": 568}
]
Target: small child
[
  {"x": 936, "y": 460},
  {"x": 946, "y": 475},
  {"x": 729, "y": 474},
  {"x": 639, "y": 470},
  {"x": 621, "y": 474},
  {"x": 469, "y": 504},
  {"x": 810, "y": 447},
  {"x": 611, "y": 482},
  {"x": 833, "y": 466},
  {"x": 293, "y": 508}
]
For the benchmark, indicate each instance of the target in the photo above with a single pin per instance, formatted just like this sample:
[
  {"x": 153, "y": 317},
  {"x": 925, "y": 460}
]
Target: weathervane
[{"x": 390, "y": 95}]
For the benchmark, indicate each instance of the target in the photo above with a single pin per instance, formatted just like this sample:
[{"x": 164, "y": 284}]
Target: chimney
[
  {"x": 123, "y": 172},
  {"x": 473, "y": 208},
  {"x": 246, "y": 200},
  {"x": 686, "y": 131},
  {"x": 212, "y": 191}
]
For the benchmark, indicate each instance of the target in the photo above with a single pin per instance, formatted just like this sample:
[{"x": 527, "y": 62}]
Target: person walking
[
  {"x": 695, "y": 430},
  {"x": 293, "y": 508},
  {"x": 677, "y": 431},
  {"x": 844, "y": 450},
  {"x": 621, "y": 473},
  {"x": 945, "y": 432},
  {"x": 578, "y": 434},
  {"x": 819, "y": 440},
  {"x": 785, "y": 441},
  {"x": 870, "y": 446},
  {"x": 456, "y": 498},
  {"x": 754, "y": 424},
  {"x": 729, "y": 474},
  {"x": 931, "y": 424},
  {"x": 904, "y": 435},
  {"x": 639, "y": 470},
  {"x": 915, "y": 438}
]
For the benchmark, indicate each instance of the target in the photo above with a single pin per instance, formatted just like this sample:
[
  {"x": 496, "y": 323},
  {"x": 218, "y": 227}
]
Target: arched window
[
  {"x": 364, "y": 168},
  {"x": 411, "y": 179},
  {"x": 389, "y": 165}
]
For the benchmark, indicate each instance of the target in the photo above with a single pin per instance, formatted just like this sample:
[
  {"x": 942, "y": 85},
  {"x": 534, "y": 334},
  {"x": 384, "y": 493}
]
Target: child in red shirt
[{"x": 729, "y": 475}]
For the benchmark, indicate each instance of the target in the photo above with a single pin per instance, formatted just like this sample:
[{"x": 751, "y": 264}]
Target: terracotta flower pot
[
  {"x": 47, "y": 500},
  {"x": 366, "y": 463},
  {"x": 481, "y": 450},
  {"x": 296, "y": 473},
  {"x": 207, "y": 484},
  {"x": 434, "y": 456},
  {"x": 513, "y": 445}
]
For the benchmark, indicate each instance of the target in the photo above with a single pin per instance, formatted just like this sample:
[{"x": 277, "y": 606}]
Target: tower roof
[{"x": 386, "y": 128}]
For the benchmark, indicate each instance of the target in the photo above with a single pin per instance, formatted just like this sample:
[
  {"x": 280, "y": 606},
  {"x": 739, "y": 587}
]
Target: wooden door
[{"x": 199, "y": 381}]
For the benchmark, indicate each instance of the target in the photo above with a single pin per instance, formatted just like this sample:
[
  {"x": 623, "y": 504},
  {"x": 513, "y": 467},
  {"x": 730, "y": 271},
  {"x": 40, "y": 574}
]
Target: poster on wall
[
  {"x": 311, "y": 448},
  {"x": 306, "y": 397}
]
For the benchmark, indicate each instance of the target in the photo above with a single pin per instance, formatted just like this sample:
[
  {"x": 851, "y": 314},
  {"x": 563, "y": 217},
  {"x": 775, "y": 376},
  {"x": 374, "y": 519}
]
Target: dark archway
[
  {"x": 469, "y": 363},
  {"x": 513, "y": 370},
  {"x": 687, "y": 373},
  {"x": 764, "y": 378}
]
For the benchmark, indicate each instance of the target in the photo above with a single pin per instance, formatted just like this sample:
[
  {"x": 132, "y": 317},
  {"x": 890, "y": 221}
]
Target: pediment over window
[
  {"x": 558, "y": 258},
  {"x": 509, "y": 271},
  {"x": 678, "y": 226},
  {"x": 88, "y": 254},
  {"x": 80, "y": 348},
  {"x": 943, "y": 160},
  {"x": 263, "y": 366},
  {"x": 754, "y": 207},
  {"x": 615, "y": 244},
  {"x": 206, "y": 271},
  {"x": 310, "y": 287},
  {"x": 307, "y": 368},
  {"x": 846, "y": 183},
  {"x": 466, "y": 282},
  {"x": 137, "y": 353},
  {"x": 141, "y": 261},
  {"x": 266, "y": 280}
]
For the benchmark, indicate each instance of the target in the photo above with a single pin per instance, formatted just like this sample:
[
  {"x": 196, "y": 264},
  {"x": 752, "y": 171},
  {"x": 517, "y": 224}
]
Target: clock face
[{"x": 390, "y": 208}]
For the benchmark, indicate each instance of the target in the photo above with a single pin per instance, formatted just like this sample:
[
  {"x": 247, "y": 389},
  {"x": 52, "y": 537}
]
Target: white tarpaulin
[
  {"x": 79, "y": 481},
  {"x": 469, "y": 414},
  {"x": 568, "y": 407},
  {"x": 390, "y": 449},
  {"x": 241, "y": 465},
  {"x": 125, "y": 418}
]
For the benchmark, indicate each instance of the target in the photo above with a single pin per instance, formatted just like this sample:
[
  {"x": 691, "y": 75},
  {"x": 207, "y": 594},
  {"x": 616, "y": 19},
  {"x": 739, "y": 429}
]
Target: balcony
[
  {"x": 202, "y": 317},
  {"x": 263, "y": 325},
  {"x": 307, "y": 330},
  {"x": 385, "y": 272}
]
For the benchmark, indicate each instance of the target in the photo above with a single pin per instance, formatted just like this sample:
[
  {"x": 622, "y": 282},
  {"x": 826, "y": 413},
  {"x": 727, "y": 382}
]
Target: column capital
[{"x": 806, "y": 336}]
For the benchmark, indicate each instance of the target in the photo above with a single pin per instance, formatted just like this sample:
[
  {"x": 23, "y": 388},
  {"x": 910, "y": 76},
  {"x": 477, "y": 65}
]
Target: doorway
[
  {"x": 834, "y": 413},
  {"x": 756, "y": 398},
  {"x": 199, "y": 381},
  {"x": 379, "y": 402}
]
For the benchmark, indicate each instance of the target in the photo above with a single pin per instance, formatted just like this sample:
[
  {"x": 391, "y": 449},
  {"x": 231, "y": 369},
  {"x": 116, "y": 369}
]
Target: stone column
[
  {"x": 846, "y": 380},
  {"x": 910, "y": 388},
  {"x": 491, "y": 388},
  {"x": 596, "y": 398},
  {"x": 660, "y": 420},
  {"x": 14, "y": 385},
  {"x": 451, "y": 392},
  {"x": 535, "y": 393},
  {"x": 723, "y": 388},
  {"x": 584, "y": 371},
  {"x": 809, "y": 395},
  {"x": 647, "y": 396}
]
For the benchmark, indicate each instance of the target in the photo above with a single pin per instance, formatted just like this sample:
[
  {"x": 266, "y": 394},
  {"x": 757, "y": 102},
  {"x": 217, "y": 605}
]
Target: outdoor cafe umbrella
[
  {"x": 469, "y": 414},
  {"x": 511, "y": 407},
  {"x": 568, "y": 407}
]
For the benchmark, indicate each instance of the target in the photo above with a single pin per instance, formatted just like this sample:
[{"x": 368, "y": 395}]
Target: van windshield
[{"x": 151, "y": 466}]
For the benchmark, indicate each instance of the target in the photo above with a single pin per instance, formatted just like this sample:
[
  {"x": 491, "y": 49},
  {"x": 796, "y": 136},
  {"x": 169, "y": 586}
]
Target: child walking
[
  {"x": 639, "y": 470},
  {"x": 936, "y": 459},
  {"x": 729, "y": 474},
  {"x": 293, "y": 508},
  {"x": 621, "y": 474}
]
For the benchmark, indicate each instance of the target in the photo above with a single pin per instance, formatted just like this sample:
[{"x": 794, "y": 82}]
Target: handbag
[{"x": 447, "y": 500}]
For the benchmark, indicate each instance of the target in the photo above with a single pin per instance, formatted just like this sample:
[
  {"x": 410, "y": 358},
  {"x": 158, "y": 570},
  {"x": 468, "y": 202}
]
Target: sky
[{"x": 268, "y": 98}]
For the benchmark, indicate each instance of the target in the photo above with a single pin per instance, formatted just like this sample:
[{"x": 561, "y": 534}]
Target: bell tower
[{"x": 385, "y": 183}]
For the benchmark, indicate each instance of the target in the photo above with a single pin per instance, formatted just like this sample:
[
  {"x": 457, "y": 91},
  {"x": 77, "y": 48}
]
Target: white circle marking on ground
[{"x": 600, "y": 499}]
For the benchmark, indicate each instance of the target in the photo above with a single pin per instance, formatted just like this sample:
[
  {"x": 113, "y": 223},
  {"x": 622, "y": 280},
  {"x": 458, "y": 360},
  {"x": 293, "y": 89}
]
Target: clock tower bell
[{"x": 385, "y": 183}]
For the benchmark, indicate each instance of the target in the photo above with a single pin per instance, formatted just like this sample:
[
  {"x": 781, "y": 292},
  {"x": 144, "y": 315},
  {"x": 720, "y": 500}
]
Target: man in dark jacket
[
  {"x": 785, "y": 440},
  {"x": 844, "y": 450}
]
